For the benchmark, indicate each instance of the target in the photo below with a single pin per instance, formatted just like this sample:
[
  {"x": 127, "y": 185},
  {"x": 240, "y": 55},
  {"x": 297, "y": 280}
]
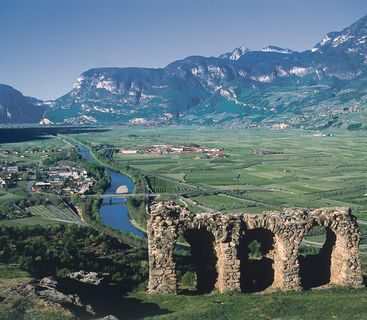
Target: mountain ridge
[
  {"x": 17, "y": 108},
  {"x": 320, "y": 87}
]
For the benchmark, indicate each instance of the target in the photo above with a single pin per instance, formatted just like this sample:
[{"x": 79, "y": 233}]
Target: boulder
[
  {"x": 47, "y": 290},
  {"x": 94, "y": 278}
]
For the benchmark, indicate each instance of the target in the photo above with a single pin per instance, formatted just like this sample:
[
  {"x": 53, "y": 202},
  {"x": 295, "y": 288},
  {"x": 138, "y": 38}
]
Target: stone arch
[
  {"x": 203, "y": 258},
  {"x": 345, "y": 266},
  {"x": 283, "y": 237},
  {"x": 315, "y": 268},
  {"x": 256, "y": 252},
  {"x": 222, "y": 234}
]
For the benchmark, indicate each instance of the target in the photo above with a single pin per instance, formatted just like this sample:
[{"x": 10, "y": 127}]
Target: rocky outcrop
[
  {"x": 71, "y": 292},
  {"x": 86, "y": 295},
  {"x": 94, "y": 278},
  {"x": 48, "y": 290},
  {"x": 221, "y": 262}
]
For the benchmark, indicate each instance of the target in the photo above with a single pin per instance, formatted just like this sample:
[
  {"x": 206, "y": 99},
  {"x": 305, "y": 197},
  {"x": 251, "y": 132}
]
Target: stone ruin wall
[{"x": 169, "y": 221}]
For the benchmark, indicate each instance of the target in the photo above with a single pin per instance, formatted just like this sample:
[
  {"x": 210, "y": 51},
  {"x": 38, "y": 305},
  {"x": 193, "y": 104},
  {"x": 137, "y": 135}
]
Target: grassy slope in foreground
[
  {"x": 17, "y": 304},
  {"x": 335, "y": 303}
]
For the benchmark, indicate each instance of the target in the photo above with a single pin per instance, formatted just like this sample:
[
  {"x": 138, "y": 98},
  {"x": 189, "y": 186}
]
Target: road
[
  {"x": 29, "y": 187},
  {"x": 319, "y": 244},
  {"x": 185, "y": 200}
]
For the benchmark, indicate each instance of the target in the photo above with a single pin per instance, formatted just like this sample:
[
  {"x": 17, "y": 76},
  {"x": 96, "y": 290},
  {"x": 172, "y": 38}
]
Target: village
[
  {"x": 27, "y": 152},
  {"x": 56, "y": 171},
  {"x": 64, "y": 180},
  {"x": 9, "y": 175},
  {"x": 164, "y": 149}
]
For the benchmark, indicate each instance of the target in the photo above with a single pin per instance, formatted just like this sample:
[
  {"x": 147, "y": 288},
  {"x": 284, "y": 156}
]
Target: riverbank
[
  {"x": 128, "y": 221},
  {"x": 101, "y": 162},
  {"x": 114, "y": 213},
  {"x": 137, "y": 226}
]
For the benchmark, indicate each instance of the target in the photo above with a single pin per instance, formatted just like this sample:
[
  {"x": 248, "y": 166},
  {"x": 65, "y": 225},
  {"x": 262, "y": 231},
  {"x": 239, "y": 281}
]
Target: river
[{"x": 114, "y": 212}]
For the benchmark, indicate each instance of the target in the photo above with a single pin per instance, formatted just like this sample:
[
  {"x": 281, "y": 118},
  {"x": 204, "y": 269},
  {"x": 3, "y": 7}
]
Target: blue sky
[{"x": 46, "y": 44}]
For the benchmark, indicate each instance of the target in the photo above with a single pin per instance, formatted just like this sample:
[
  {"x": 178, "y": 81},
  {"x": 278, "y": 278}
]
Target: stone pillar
[
  {"x": 345, "y": 269},
  {"x": 286, "y": 266},
  {"x": 345, "y": 265},
  {"x": 162, "y": 237},
  {"x": 228, "y": 267},
  {"x": 162, "y": 272}
]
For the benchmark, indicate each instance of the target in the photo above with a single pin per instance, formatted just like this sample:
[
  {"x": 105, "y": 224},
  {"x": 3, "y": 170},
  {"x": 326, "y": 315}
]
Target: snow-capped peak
[
  {"x": 235, "y": 54},
  {"x": 327, "y": 39},
  {"x": 349, "y": 39},
  {"x": 277, "y": 49}
]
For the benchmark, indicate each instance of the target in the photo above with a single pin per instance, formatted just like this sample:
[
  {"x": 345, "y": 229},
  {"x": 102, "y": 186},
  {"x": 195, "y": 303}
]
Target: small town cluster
[
  {"x": 9, "y": 174},
  {"x": 162, "y": 149},
  {"x": 28, "y": 152},
  {"x": 64, "y": 177},
  {"x": 11, "y": 171},
  {"x": 64, "y": 180}
]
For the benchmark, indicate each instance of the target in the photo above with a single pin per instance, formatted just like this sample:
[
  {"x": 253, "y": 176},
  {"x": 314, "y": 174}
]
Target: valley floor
[{"x": 261, "y": 170}]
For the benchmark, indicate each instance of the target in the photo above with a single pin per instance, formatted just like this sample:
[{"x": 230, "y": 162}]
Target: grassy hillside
[
  {"x": 15, "y": 304},
  {"x": 331, "y": 304}
]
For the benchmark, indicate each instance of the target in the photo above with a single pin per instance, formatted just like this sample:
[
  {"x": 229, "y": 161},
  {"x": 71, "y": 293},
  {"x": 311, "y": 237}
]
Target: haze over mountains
[{"x": 321, "y": 87}]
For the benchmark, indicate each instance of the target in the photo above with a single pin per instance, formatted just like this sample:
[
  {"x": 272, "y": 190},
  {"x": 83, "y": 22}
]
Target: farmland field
[
  {"x": 264, "y": 170},
  {"x": 44, "y": 215},
  {"x": 53, "y": 213}
]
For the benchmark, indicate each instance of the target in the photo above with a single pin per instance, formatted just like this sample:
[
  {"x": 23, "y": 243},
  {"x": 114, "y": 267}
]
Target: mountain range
[
  {"x": 16, "y": 108},
  {"x": 317, "y": 88}
]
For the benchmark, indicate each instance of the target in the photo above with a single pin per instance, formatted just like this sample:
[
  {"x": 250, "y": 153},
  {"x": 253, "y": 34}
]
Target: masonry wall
[{"x": 284, "y": 232}]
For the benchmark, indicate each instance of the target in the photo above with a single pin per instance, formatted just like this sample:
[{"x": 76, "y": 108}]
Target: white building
[
  {"x": 2, "y": 184},
  {"x": 128, "y": 151}
]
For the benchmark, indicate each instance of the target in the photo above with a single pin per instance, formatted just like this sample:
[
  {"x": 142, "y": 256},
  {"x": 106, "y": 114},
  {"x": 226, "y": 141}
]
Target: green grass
[
  {"x": 30, "y": 221},
  {"x": 41, "y": 211},
  {"x": 228, "y": 204},
  {"x": 12, "y": 272},
  {"x": 19, "y": 304},
  {"x": 308, "y": 171},
  {"x": 7, "y": 197},
  {"x": 53, "y": 213},
  {"x": 164, "y": 185},
  {"x": 330, "y": 304}
]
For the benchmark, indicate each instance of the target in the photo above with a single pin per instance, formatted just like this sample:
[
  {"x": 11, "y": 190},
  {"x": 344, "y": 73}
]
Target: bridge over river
[{"x": 123, "y": 195}]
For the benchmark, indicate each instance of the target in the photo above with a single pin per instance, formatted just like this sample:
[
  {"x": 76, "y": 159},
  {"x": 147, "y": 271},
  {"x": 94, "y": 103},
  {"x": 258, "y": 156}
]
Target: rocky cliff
[{"x": 321, "y": 87}]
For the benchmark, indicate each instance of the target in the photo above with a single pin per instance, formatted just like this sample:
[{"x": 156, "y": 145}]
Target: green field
[
  {"x": 55, "y": 214},
  {"x": 31, "y": 221},
  {"x": 44, "y": 215},
  {"x": 7, "y": 197},
  {"x": 271, "y": 169}
]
